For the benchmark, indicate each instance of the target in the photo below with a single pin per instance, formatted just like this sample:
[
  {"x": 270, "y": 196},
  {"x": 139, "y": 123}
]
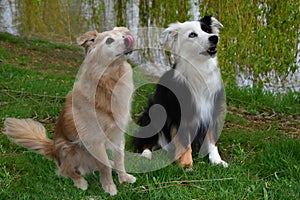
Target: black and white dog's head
[{"x": 193, "y": 39}]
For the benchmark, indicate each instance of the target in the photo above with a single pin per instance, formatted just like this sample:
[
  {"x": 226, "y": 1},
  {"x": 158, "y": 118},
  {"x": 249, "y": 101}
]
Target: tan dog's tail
[{"x": 29, "y": 134}]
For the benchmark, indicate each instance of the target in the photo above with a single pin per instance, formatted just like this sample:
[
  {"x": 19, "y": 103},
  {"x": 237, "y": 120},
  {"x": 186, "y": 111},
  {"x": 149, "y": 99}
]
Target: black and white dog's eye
[
  {"x": 193, "y": 34},
  {"x": 109, "y": 41}
]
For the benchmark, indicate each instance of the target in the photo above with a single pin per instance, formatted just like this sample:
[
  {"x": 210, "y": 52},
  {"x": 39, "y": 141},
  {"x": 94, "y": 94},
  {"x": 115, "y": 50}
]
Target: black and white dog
[{"x": 188, "y": 108}]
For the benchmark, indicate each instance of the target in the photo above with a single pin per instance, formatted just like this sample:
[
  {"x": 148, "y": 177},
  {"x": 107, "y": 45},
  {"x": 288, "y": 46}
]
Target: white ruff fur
[{"x": 204, "y": 80}]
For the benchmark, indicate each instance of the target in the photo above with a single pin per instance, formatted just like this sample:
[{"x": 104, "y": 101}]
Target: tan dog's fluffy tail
[{"x": 29, "y": 134}]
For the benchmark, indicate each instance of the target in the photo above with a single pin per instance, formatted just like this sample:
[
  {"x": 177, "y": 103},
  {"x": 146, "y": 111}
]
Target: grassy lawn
[{"x": 260, "y": 140}]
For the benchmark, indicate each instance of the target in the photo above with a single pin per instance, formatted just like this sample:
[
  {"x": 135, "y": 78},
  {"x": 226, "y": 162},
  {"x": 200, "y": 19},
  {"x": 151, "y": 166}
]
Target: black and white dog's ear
[
  {"x": 216, "y": 25},
  {"x": 169, "y": 35}
]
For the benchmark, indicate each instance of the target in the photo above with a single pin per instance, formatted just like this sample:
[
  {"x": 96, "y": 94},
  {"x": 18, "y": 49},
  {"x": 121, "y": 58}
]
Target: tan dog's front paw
[
  {"x": 81, "y": 183},
  {"x": 111, "y": 189},
  {"x": 126, "y": 178}
]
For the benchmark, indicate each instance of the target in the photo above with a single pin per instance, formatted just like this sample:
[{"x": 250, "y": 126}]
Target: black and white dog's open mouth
[{"x": 212, "y": 50}]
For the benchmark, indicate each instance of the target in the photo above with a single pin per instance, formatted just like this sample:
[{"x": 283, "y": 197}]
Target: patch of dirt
[{"x": 265, "y": 121}]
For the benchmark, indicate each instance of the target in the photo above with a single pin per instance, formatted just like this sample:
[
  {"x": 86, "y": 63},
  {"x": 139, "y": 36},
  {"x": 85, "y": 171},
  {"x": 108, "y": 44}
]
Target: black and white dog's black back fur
[{"x": 188, "y": 108}]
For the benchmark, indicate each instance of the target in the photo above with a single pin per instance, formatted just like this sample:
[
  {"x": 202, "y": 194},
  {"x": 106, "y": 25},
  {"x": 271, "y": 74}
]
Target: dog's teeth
[
  {"x": 212, "y": 50},
  {"x": 128, "y": 52}
]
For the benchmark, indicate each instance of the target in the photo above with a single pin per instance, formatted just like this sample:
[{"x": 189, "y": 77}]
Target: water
[
  {"x": 273, "y": 81},
  {"x": 62, "y": 21}
]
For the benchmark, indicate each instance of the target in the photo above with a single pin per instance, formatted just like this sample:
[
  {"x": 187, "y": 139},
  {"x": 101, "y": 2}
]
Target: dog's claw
[
  {"x": 111, "y": 189},
  {"x": 82, "y": 184},
  {"x": 126, "y": 178},
  {"x": 220, "y": 162},
  {"x": 189, "y": 169},
  {"x": 225, "y": 164}
]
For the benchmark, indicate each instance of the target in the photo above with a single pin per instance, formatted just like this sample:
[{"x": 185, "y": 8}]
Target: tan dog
[{"x": 94, "y": 115}]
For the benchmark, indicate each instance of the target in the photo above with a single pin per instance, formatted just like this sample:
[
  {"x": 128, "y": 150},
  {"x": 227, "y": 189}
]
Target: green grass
[
  {"x": 264, "y": 100},
  {"x": 25, "y": 92},
  {"x": 260, "y": 139}
]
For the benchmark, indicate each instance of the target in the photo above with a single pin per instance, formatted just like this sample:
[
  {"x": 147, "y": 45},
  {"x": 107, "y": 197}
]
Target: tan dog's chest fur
[{"x": 65, "y": 128}]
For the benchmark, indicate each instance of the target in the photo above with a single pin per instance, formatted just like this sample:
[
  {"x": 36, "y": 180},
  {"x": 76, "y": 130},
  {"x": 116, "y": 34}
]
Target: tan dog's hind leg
[{"x": 66, "y": 169}]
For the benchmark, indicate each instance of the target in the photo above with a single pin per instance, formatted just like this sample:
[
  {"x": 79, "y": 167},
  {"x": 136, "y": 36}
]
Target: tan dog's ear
[
  {"x": 87, "y": 39},
  {"x": 121, "y": 29}
]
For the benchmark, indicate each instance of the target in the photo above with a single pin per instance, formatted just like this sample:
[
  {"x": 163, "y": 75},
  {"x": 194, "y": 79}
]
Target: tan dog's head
[{"x": 109, "y": 45}]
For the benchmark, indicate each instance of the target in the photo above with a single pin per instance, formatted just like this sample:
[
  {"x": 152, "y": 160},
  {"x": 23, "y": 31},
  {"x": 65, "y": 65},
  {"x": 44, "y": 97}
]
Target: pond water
[{"x": 62, "y": 21}]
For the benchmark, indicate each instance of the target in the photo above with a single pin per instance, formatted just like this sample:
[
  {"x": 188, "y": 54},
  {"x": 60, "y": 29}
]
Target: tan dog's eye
[{"x": 109, "y": 41}]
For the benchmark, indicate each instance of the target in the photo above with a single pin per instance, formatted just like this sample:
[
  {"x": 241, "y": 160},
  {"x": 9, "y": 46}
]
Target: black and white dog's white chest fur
[{"x": 188, "y": 107}]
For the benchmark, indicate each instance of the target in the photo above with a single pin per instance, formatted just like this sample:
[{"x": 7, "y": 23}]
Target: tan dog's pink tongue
[{"x": 130, "y": 41}]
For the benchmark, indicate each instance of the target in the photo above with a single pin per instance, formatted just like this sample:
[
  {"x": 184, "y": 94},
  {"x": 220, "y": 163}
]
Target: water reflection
[
  {"x": 63, "y": 20},
  {"x": 7, "y": 11}
]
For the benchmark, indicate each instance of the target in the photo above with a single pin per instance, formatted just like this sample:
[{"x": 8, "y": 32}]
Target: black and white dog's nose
[{"x": 213, "y": 39}]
